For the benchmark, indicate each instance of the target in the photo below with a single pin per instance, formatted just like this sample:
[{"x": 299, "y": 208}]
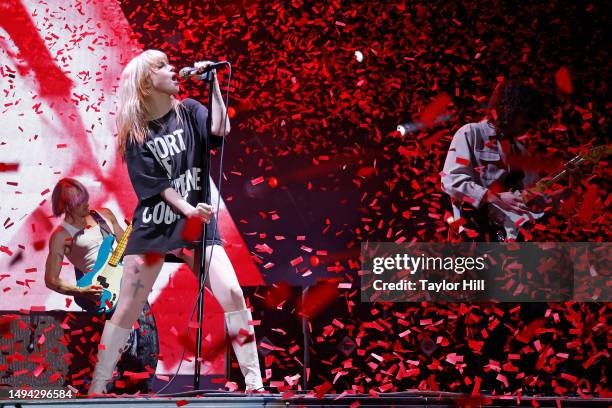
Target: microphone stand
[{"x": 210, "y": 78}]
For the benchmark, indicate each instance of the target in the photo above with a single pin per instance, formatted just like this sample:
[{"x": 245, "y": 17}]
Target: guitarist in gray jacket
[
  {"x": 482, "y": 168},
  {"x": 477, "y": 171},
  {"x": 78, "y": 238}
]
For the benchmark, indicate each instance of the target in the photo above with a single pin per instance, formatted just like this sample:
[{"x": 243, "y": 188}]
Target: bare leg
[
  {"x": 226, "y": 289},
  {"x": 136, "y": 284},
  {"x": 221, "y": 278},
  {"x": 222, "y": 281}
]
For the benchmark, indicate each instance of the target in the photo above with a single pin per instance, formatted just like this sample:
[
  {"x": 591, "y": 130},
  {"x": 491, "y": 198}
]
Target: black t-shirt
[{"x": 172, "y": 155}]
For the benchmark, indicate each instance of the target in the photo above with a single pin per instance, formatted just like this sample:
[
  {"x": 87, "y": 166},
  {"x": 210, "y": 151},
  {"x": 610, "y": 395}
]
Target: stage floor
[{"x": 220, "y": 399}]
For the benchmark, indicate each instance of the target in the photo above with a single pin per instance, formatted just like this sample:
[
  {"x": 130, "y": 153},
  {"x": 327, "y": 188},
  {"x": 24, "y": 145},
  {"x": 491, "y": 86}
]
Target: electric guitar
[
  {"x": 502, "y": 225},
  {"x": 107, "y": 273}
]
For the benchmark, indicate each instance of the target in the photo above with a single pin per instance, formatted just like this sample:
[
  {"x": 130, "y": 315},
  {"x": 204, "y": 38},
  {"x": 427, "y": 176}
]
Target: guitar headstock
[{"x": 595, "y": 154}]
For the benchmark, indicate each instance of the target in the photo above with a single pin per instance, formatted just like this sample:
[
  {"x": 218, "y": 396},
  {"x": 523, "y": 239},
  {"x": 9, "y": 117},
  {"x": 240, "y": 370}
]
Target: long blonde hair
[{"x": 134, "y": 86}]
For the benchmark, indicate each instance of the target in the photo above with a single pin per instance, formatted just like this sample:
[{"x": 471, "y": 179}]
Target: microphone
[{"x": 187, "y": 72}]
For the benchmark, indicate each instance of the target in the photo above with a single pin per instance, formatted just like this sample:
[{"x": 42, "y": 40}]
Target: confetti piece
[
  {"x": 257, "y": 181},
  {"x": 192, "y": 231},
  {"x": 152, "y": 258},
  {"x": 317, "y": 298},
  {"x": 9, "y": 167},
  {"x": 462, "y": 161},
  {"x": 563, "y": 81},
  {"x": 296, "y": 261},
  {"x": 38, "y": 371},
  {"x": 434, "y": 109}
]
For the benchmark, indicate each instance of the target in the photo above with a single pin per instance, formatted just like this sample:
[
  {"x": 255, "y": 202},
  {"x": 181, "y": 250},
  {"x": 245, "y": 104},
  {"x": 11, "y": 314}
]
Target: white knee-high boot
[
  {"x": 246, "y": 354},
  {"x": 114, "y": 339}
]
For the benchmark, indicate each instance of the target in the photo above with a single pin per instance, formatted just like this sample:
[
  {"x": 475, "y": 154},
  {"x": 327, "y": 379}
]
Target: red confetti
[
  {"x": 277, "y": 294},
  {"x": 152, "y": 258},
  {"x": 38, "y": 371},
  {"x": 318, "y": 297},
  {"x": 296, "y": 261},
  {"x": 434, "y": 109},
  {"x": 462, "y": 161},
  {"x": 257, "y": 181},
  {"x": 587, "y": 209},
  {"x": 8, "y": 167},
  {"x": 39, "y": 245},
  {"x": 192, "y": 231},
  {"x": 563, "y": 81}
]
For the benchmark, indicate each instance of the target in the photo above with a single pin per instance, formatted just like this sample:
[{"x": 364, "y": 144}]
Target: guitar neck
[
  {"x": 543, "y": 185},
  {"x": 593, "y": 155},
  {"x": 118, "y": 252}
]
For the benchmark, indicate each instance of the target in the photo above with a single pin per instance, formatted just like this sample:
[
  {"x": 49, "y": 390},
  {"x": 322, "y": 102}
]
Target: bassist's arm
[{"x": 53, "y": 266}]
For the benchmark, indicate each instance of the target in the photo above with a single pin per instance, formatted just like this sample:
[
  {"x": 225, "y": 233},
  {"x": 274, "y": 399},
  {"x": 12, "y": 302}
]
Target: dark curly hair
[{"x": 511, "y": 99}]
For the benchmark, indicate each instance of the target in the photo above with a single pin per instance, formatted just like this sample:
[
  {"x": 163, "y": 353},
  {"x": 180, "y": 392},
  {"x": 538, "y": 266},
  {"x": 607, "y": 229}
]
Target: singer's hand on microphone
[{"x": 200, "y": 66}]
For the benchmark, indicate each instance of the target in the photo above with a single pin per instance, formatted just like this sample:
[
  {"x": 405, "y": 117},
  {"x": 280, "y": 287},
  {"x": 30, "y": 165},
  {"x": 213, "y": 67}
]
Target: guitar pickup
[{"x": 102, "y": 282}]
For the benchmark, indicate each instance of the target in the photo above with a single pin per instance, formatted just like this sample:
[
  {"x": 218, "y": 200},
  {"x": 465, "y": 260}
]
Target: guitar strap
[{"x": 104, "y": 228}]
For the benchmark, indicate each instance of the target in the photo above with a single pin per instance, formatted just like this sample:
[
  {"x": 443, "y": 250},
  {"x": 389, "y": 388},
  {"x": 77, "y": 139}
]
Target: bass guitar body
[{"x": 107, "y": 276}]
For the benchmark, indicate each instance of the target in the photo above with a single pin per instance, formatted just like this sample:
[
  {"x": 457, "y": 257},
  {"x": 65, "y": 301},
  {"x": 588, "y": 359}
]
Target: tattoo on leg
[{"x": 137, "y": 287}]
